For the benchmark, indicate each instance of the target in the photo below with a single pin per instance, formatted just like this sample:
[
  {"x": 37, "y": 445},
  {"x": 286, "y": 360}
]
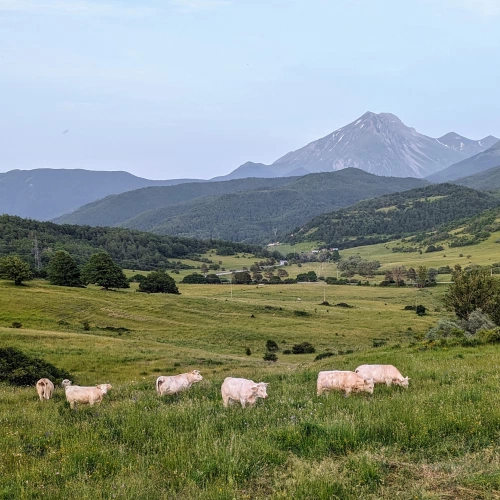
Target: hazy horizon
[{"x": 195, "y": 88}]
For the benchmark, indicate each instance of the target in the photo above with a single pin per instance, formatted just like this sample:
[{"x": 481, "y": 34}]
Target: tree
[
  {"x": 421, "y": 276},
  {"x": 14, "y": 268},
  {"x": 282, "y": 273},
  {"x": 432, "y": 274},
  {"x": 242, "y": 278},
  {"x": 158, "y": 282},
  {"x": 399, "y": 273},
  {"x": 102, "y": 271},
  {"x": 412, "y": 274},
  {"x": 474, "y": 289},
  {"x": 63, "y": 270}
]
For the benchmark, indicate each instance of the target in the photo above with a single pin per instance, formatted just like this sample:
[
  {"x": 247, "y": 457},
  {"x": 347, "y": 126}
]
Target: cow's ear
[{"x": 255, "y": 388}]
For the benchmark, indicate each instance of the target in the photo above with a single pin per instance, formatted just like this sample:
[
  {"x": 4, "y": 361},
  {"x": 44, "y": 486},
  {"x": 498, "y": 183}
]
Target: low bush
[
  {"x": 324, "y": 355},
  {"x": 304, "y": 348},
  {"x": 16, "y": 324},
  {"x": 272, "y": 346},
  {"x": 445, "y": 329},
  {"x": 409, "y": 308},
  {"x": 478, "y": 321},
  {"x": 343, "y": 304},
  {"x": 270, "y": 356},
  {"x": 301, "y": 313},
  {"x": 17, "y": 368},
  {"x": 420, "y": 310}
]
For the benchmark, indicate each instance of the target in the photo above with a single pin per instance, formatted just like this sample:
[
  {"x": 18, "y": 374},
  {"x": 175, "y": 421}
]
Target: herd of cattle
[{"x": 363, "y": 379}]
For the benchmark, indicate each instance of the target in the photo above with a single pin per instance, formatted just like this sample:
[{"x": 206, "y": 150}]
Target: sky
[{"x": 194, "y": 88}]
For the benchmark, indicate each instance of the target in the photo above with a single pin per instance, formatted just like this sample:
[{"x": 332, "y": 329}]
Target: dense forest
[
  {"x": 396, "y": 215},
  {"x": 488, "y": 180},
  {"x": 253, "y": 215},
  {"x": 130, "y": 249},
  {"x": 245, "y": 210}
]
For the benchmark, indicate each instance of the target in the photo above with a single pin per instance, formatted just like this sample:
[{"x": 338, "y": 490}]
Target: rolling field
[{"x": 438, "y": 439}]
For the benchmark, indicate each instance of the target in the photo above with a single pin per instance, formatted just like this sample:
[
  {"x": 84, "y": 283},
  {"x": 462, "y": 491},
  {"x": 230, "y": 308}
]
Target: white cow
[
  {"x": 343, "y": 381},
  {"x": 85, "y": 395},
  {"x": 243, "y": 390},
  {"x": 45, "y": 388},
  {"x": 177, "y": 383},
  {"x": 383, "y": 374}
]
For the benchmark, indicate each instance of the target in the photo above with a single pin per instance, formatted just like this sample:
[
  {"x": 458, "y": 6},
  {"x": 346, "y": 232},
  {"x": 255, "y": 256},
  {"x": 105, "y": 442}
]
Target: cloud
[{"x": 76, "y": 7}]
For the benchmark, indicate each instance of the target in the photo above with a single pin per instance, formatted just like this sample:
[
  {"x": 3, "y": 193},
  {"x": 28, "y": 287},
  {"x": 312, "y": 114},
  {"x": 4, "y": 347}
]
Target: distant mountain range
[
  {"x": 377, "y": 143},
  {"x": 46, "y": 193},
  {"x": 478, "y": 163},
  {"x": 248, "y": 210}
]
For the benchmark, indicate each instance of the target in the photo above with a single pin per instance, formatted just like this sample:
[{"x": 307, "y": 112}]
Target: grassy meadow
[{"x": 438, "y": 439}]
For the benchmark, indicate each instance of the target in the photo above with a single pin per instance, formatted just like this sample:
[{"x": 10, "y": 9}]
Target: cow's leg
[
  {"x": 388, "y": 382},
  {"x": 243, "y": 403}
]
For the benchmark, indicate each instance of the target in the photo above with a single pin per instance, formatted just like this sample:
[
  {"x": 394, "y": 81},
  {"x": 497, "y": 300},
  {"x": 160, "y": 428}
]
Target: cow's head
[
  {"x": 66, "y": 383},
  {"x": 262, "y": 390},
  {"x": 196, "y": 376},
  {"x": 404, "y": 383},
  {"x": 104, "y": 387},
  {"x": 369, "y": 385}
]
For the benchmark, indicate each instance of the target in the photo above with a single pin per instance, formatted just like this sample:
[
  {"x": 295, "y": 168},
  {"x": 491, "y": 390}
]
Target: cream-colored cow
[
  {"x": 344, "y": 381},
  {"x": 85, "y": 395},
  {"x": 177, "y": 383},
  {"x": 243, "y": 390},
  {"x": 383, "y": 374},
  {"x": 45, "y": 388}
]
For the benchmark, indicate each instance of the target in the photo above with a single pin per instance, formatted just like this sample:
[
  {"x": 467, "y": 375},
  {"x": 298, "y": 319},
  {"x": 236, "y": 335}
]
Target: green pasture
[{"x": 438, "y": 439}]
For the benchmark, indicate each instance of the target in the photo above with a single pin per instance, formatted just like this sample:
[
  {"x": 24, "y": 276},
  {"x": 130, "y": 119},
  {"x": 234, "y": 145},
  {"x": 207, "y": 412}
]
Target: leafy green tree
[
  {"x": 242, "y": 278},
  {"x": 421, "y": 276},
  {"x": 474, "y": 289},
  {"x": 102, "y": 271},
  {"x": 194, "y": 279},
  {"x": 14, "y": 268},
  {"x": 63, "y": 270},
  {"x": 412, "y": 274},
  {"x": 158, "y": 282}
]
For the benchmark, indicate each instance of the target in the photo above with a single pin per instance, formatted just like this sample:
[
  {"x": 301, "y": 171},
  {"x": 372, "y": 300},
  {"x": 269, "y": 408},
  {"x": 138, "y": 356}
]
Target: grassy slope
[{"x": 436, "y": 440}]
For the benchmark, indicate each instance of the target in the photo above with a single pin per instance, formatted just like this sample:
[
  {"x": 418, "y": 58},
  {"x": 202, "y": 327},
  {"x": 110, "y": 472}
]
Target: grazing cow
[
  {"x": 85, "y": 395},
  {"x": 45, "y": 388},
  {"x": 243, "y": 390},
  {"x": 177, "y": 383},
  {"x": 343, "y": 381},
  {"x": 383, "y": 374}
]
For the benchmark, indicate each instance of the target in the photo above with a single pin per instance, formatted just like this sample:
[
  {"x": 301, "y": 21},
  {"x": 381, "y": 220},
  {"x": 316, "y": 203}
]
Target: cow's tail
[{"x": 158, "y": 384}]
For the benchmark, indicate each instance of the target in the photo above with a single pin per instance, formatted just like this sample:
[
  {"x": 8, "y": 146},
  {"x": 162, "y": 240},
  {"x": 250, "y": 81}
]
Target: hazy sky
[{"x": 194, "y": 88}]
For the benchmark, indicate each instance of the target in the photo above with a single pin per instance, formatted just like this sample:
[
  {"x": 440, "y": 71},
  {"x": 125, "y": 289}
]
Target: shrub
[
  {"x": 17, "y": 368},
  {"x": 420, "y": 310},
  {"x": 325, "y": 303},
  {"x": 304, "y": 348},
  {"x": 409, "y": 308},
  {"x": 248, "y": 352},
  {"x": 86, "y": 325},
  {"x": 478, "y": 321},
  {"x": 158, "y": 282},
  {"x": 136, "y": 278},
  {"x": 490, "y": 336},
  {"x": 343, "y": 304},
  {"x": 324, "y": 355},
  {"x": 16, "y": 324},
  {"x": 378, "y": 342},
  {"x": 287, "y": 351},
  {"x": 270, "y": 356},
  {"x": 445, "y": 329},
  {"x": 301, "y": 313},
  {"x": 272, "y": 346}
]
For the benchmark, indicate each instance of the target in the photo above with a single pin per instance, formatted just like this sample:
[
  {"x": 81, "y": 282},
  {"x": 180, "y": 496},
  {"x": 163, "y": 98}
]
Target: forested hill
[
  {"x": 117, "y": 209},
  {"x": 396, "y": 215},
  {"x": 130, "y": 249},
  {"x": 249, "y": 215},
  {"x": 489, "y": 180}
]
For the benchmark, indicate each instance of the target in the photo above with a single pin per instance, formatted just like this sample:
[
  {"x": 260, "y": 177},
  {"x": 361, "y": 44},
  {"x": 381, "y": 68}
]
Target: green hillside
[
  {"x": 116, "y": 209},
  {"x": 131, "y": 249},
  {"x": 488, "y": 180},
  {"x": 252, "y": 215},
  {"x": 394, "y": 216},
  {"x": 437, "y": 439}
]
